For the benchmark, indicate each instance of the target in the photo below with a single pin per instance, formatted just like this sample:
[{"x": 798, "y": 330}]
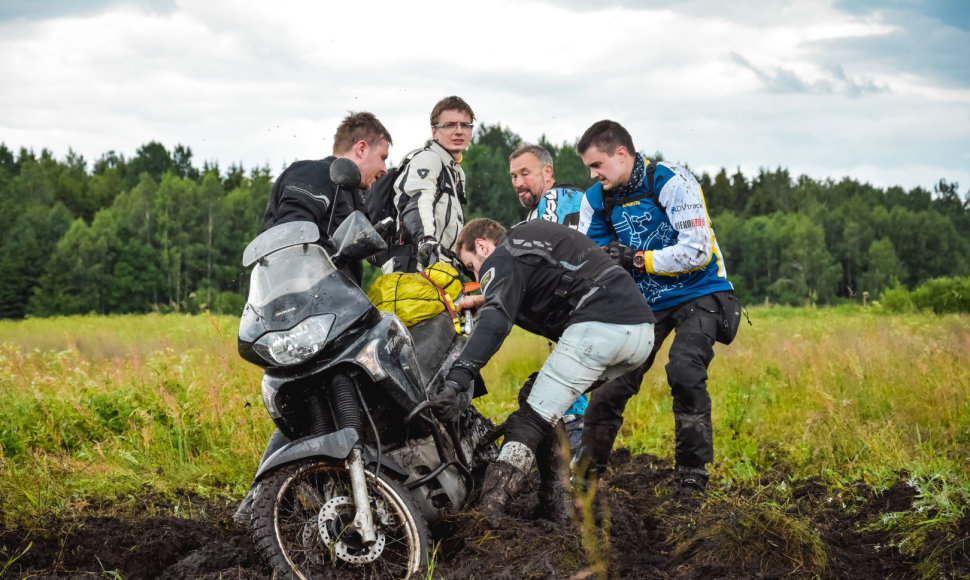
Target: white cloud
[{"x": 750, "y": 84}]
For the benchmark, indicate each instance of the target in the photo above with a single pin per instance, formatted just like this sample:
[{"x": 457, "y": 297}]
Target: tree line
[{"x": 157, "y": 233}]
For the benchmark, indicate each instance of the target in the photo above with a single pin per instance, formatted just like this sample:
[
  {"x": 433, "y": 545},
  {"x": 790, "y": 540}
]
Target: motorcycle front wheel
[{"x": 302, "y": 523}]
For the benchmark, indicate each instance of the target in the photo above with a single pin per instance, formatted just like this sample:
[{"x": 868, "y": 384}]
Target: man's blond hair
[{"x": 356, "y": 127}]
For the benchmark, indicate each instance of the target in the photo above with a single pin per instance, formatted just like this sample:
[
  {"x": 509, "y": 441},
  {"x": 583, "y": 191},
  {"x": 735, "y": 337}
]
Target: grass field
[{"x": 94, "y": 410}]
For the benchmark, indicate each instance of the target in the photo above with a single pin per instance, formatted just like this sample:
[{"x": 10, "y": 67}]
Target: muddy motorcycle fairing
[
  {"x": 389, "y": 371},
  {"x": 384, "y": 354}
]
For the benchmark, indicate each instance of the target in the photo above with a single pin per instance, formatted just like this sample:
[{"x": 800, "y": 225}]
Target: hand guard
[
  {"x": 427, "y": 252},
  {"x": 625, "y": 256},
  {"x": 450, "y": 400}
]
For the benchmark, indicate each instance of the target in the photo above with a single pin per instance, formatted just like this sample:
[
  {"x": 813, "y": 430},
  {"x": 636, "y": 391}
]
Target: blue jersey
[
  {"x": 561, "y": 204},
  {"x": 682, "y": 258}
]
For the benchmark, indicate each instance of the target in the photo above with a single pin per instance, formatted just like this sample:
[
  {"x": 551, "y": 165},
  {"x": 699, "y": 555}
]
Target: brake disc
[{"x": 335, "y": 520}]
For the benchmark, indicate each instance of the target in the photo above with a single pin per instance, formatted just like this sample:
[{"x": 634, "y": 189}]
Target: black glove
[
  {"x": 622, "y": 255},
  {"x": 427, "y": 251},
  {"x": 454, "y": 396}
]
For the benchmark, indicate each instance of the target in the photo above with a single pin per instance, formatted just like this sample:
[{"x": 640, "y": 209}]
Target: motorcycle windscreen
[
  {"x": 290, "y": 286},
  {"x": 286, "y": 276}
]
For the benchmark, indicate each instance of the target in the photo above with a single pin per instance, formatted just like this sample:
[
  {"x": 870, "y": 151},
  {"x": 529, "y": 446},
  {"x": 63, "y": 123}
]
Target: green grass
[
  {"x": 813, "y": 391},
  {"x": 95, "y": 411}
]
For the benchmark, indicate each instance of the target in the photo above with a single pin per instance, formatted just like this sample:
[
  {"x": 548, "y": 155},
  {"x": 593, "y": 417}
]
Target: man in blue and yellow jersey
[{"x": 651, "y": 217}]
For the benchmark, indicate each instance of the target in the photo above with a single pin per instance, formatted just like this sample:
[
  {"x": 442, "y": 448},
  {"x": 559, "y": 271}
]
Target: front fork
[{"x": 364, "y": 519}]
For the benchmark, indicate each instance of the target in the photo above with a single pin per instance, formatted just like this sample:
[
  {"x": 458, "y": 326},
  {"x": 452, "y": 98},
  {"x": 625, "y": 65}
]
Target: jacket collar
[{"x": 446, "y": 157}]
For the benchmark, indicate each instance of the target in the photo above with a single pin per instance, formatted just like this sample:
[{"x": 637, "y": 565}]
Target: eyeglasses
[{"x": 452, "y": 125}]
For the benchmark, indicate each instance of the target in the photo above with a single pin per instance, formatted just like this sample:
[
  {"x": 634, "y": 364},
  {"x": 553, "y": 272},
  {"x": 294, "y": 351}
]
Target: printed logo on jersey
[
  {"x": 694, "y": 223},
  {"x": 486, "y": 279},
  {"x": 551, "y": 199},
  {"x": 686, "y": 206}
]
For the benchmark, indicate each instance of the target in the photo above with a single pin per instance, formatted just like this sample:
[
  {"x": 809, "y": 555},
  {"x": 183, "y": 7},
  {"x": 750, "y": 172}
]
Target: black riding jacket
[
  {"x": 304, "y": 192},
  {"x": 544, "y": 276}
]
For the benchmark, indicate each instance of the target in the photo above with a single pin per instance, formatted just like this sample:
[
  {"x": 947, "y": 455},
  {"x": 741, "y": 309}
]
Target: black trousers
[{"x": 694, "y": 324}]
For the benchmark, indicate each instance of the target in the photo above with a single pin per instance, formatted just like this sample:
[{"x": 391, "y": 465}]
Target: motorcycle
[{"x": 366, "y": 466}]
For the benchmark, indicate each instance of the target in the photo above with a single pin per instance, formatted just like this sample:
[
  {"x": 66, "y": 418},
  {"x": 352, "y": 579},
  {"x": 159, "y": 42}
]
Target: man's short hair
[
  {"x": 484, "y": 228},
  {"x": 451, "y": 103},
  {"x": 544, "y": 157},
  {"x": 359, "y": 126},
  {"x": 606, "y": 136}
]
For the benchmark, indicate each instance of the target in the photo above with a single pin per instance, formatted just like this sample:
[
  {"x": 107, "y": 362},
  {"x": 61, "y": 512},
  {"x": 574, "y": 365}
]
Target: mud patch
[{"x": 639, "y": 529}]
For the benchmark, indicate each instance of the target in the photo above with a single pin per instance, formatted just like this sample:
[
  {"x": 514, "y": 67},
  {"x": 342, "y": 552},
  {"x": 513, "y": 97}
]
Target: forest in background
[{"x": 157, "y": 233}]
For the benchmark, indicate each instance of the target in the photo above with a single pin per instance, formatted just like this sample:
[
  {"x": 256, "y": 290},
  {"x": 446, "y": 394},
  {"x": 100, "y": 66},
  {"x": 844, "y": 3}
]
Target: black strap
[{"x": 610, "y": 202}]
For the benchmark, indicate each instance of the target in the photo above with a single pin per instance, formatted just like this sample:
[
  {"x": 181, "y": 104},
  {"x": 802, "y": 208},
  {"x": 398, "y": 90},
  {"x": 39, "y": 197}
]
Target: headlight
[{"x": 297, "y": 344}]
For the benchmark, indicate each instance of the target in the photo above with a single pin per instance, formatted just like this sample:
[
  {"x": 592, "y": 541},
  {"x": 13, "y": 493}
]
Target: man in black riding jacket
[
  {"x": 305, "y": 192},
  {"x": 552, "y": 281}
]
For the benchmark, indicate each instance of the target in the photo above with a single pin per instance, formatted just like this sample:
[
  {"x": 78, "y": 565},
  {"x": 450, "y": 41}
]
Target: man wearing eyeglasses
[{"x": 430, "y": 191}]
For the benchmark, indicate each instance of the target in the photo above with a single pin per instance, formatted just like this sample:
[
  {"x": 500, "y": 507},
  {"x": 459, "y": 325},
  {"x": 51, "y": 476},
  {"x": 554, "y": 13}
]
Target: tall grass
[
  {"x": 96, "y": 410},
  {"x": 816, "y": 392}
]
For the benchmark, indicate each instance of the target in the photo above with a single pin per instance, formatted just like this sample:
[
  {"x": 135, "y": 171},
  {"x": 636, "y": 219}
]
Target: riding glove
[
  {"x": 625, "y": 256},
  {"x": 454, "y": 396},
  {"x": 427, "y": 251}
]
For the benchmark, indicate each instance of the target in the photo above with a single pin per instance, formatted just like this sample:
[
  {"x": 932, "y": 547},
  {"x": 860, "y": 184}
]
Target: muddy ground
[{"x": 643, "y": 532}]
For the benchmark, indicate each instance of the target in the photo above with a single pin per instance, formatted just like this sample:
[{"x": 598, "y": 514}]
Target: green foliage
[
  {"x": 171, "y": 241},
  {"x": 885, "y": 269},
  {"x": 897, "y": 299},
  {"x": 151, "y": 159},
  {"x": 939, "y": 295},
  {"x": 943, "y": 295},
  {"x": 102, "y": 407},
  {"x": 154, "y": 233},
  {"x": 231, "y": 303},
  {"x": 486, "y": 165}
]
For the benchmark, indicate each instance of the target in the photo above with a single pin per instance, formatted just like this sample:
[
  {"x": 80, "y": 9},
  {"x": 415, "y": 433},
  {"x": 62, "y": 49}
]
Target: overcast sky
[{"x": 877, "y": 91}]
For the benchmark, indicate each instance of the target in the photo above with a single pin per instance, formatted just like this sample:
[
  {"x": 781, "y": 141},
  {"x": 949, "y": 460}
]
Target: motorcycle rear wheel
[{"x": 301, "y": 523}]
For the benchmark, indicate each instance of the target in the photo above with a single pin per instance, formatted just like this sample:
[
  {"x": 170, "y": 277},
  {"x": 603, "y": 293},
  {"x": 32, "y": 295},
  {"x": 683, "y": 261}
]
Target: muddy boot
[
  {"x": 691, "y": 482},
  {"x": 555, "y": 501},
  {"x": 502, "y": 482},
  {"x": 555, "y": 498},
  {"x": 504, "y": 479}
]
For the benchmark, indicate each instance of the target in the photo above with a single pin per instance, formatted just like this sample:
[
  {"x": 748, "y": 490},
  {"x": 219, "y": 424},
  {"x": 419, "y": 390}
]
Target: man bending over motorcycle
[{"x": 555, "y": 282}]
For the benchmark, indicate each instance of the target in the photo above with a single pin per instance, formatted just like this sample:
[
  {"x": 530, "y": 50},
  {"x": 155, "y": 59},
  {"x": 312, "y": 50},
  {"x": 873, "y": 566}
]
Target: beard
[{"x": 531, "y": 201}]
